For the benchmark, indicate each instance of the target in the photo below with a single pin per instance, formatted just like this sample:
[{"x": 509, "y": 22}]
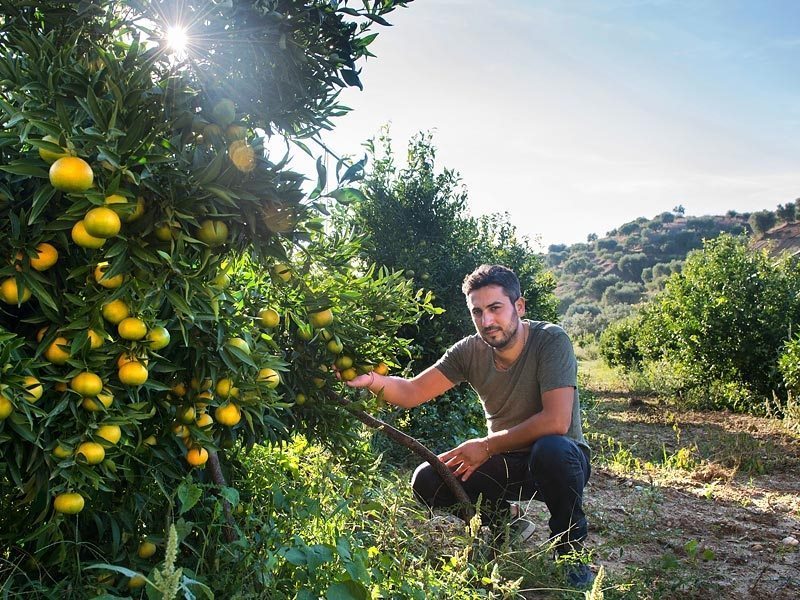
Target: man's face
[{"x": 496, "y": 318}]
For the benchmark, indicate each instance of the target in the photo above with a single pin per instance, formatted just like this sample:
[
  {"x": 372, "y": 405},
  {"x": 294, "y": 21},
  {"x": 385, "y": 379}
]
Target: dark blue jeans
[{"x": 554, "y": 471}]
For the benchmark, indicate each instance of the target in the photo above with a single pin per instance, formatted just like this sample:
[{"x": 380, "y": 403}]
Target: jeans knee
[{"x": 551, "y": 450}]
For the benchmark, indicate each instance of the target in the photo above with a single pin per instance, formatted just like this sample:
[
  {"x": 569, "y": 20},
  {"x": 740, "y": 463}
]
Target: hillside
[{"x": 601, "y": 280}]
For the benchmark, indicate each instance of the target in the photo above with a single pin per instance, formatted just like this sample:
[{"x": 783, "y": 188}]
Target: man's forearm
[
  {"x": 526, "y": 433},
  {"x": 396, "y": 390}
]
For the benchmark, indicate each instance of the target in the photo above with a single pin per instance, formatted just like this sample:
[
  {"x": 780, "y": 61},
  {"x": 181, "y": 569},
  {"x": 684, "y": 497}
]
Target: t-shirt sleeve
[
  {"x": 454, "y": 363},
  {"x": 557, "y": 364}
]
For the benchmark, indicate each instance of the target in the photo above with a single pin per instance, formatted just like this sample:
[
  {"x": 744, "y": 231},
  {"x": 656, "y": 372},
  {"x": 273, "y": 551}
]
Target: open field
[{"x": 688, "y": 504}]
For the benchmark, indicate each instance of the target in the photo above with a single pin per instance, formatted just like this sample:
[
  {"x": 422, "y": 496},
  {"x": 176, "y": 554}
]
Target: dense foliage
[
  {"x": 169, "y": 293},
  {"x": 720, "y": 327},
  {"x": 417, "y": 220}
]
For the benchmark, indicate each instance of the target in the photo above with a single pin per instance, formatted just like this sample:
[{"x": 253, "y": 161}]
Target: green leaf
[
  {"x": 347, "y": 590},
  {"x": 25, "y": 169},
  {"x": 230, "y": 494},
  {"x": 40, "y": 200},
  {"x": 347, "y": 195},
  {"x": 188, "y": 494}
]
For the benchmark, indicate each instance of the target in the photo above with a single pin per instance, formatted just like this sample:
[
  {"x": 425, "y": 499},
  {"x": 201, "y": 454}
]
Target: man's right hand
[{"x": 362, "y": 381}]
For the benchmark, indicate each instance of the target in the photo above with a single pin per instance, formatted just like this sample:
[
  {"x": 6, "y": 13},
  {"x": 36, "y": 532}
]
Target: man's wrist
[{"x": 487, "y": 448}]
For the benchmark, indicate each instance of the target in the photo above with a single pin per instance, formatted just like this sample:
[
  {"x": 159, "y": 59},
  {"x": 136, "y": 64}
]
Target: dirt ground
[{"x": 718, "y": 519}]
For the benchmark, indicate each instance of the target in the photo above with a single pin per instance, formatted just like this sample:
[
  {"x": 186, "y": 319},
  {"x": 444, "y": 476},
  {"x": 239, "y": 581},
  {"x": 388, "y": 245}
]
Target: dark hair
[{"x": 493, "y": 275}]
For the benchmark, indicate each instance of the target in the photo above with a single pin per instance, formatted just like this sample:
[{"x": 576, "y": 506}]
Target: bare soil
[{"x": 691, "y": 504}]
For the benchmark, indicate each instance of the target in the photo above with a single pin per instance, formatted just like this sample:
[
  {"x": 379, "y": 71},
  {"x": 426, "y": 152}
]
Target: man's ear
[{"x": 520, "y": 306}]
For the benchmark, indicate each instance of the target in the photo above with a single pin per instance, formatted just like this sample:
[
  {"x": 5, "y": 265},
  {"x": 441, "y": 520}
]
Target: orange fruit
[
  {"x": 98, "y": 403},
  {"x": 349, "y": 374},
  {"x": 335, "y": 346},
  {"x": 186, "y": 414},
  {"x": 102, "y": 222},
  {"x": 109, "y": 283},
  {"x": 300, "y": 399},
  {"x": 81, "y": 237},
  {"x": 127, "y": 357},
  {"x": 146, "y": 549},
  {"x": 212, "y": 232},
  {"x": 204, "y": 420},
  {"x": 221, "y": 281},
  {"x": 87, "y": 384},
  {"x": 136, "y": 582},
  {"x": 269, "y": 318},
  {"x": 269, "y": 377},
  {"x": 158, "y": 338},
  {"x": 239, "y": 343},
  {"x": 226, "y": 388},
  {"x": 228, "y": 414},
  {"x": 381, "y": 368},
  {"x": 70, "y": 503},
  {"x": 165, "y": 232},
  {"x": 61, "y": 451},
  {"x": 110, "y": 433},
  {"x": 343, "y": 362},
  {"x": 95, "y": 339},
  {"x": 93, "y": 452},
  {"x": 320, "y": 319},
  {"x": 282, "y": 272},
  {"x": 133, "y": 373},
  {"x": 46, "y": 257},
  {"x": 71, "y": 174},
  {"x": 11, "y": 294},
  {"x": 179, "y": 389},
  {"x": 132, "y": 328},
  {"x": 51, "y": 156},
  {"x": 115, "y": 311},
  {"x": 55, "y": 352},
  {"x": 224, "y": 112},
  {"x": 33, "y": 389},
  {"x": 6, "y": 408},
  {"x": 197, "y": 456},
  {"x": 128, "y": 211}
]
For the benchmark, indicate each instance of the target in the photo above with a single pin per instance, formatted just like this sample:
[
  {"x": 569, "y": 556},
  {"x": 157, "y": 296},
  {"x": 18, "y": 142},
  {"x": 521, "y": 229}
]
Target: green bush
[
  {"x": 723, "y": 321},
  {"x": 618, "y": 345}
]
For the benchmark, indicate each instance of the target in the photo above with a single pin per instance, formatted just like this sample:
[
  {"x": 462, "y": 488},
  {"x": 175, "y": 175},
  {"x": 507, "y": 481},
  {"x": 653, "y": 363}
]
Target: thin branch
[{"x": 412, "y": 444}]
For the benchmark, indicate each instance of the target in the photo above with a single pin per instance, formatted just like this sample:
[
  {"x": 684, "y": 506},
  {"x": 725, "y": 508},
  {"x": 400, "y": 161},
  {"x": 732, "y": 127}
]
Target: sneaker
[{"x": 578, "y": 575}]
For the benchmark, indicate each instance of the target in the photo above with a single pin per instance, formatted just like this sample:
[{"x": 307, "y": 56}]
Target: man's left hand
[{"x": 464, "y": 459}]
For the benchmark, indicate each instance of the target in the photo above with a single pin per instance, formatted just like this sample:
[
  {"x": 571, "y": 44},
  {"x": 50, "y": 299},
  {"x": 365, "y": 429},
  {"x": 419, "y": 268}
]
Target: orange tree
[{"x": 167, "y": 291}]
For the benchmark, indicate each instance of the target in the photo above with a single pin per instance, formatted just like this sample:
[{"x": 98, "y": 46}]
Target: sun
[{"x": 177, "y": 39}]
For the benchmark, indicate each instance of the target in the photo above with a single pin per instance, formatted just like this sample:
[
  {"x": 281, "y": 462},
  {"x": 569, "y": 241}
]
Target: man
[{"x": 525, "y": 375}]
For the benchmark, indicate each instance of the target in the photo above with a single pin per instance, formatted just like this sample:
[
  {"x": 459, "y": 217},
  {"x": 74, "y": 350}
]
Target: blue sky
[{"x": 576, "y": 116}]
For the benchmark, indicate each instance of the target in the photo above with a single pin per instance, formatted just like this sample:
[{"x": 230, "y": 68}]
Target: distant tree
[
  {"x": 679, "y": 210},
  {"x": 592, "y": 237},
  {"x": 597, "y": 285},
  {"x": 577, "y": 264},
  {"x": 556, "y": 258},
  {"x": 787, "y": 212},
  {"x": 607, "y": 244},
  {"x": 623, "y": 293},
  {"x": 762, "y": 221},
  {"x": 666, "y": 217},
  {"x": 647, "y": 274},
  {"x": 628, "y": 228},
  {"x": 556, "y": 247},
  {"x": 591, "y": 309},
  {"x": 631, "y": 265},
  {"x": 731, "y": 214}
]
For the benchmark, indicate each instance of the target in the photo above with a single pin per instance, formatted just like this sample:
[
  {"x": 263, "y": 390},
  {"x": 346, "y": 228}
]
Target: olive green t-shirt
[{"x": 509, "y": 397}]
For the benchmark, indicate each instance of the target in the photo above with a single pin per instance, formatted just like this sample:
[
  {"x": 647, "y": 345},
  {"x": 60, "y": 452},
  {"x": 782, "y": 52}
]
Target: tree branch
[
  {"x": 217, "y": 477},
  {"x": 412, "y": 444}
]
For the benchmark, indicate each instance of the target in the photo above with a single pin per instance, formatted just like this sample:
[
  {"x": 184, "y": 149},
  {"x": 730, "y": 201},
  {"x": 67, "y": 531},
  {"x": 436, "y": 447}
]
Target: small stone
[
  {"x": 757, "y": 547},
  {"x": 790, "y": 541},
  {"x": 629, "y": 483}
]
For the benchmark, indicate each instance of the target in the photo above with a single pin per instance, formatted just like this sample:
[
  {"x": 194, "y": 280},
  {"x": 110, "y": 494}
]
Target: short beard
[{"x": 505, "y": 340}]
